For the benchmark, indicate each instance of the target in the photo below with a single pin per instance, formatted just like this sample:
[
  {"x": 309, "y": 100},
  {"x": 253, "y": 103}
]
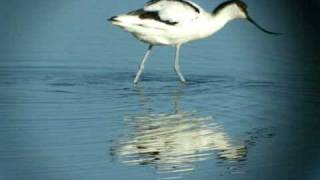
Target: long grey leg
[
  {"x": 177, "y": 64},
  {"x": 141, "y": 68}
]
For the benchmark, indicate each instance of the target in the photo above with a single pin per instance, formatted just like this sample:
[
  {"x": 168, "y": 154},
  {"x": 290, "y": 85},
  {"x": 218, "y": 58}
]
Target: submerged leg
[
  {"x": 136, "y": 79},
  {"x": 177, "y": 65}
]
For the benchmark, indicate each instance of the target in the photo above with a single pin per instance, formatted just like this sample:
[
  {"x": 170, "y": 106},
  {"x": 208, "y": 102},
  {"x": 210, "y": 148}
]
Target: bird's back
[{"x": 165, "y": 22}]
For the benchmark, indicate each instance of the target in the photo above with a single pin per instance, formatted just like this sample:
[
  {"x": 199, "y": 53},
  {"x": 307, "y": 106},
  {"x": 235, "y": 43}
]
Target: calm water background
[{"x": 69, "y": 109}]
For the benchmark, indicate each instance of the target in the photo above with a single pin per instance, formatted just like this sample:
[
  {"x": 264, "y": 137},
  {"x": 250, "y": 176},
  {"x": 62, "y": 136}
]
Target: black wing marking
[
  {"x": 154, "y": 15},
  {"x": 180, "y": 1}
]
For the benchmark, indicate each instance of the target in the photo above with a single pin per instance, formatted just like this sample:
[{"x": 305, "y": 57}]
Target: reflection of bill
[{"x": 174, "y": 142}]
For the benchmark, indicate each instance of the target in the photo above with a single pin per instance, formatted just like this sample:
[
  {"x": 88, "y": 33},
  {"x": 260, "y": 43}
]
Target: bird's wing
[{"x": 173, "y": 11}]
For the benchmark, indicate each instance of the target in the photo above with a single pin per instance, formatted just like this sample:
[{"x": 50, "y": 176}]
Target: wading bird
[{"x": 175, "y": 22}]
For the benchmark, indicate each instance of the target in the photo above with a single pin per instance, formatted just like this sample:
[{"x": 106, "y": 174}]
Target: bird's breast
[{"x": 194, "y": 31}]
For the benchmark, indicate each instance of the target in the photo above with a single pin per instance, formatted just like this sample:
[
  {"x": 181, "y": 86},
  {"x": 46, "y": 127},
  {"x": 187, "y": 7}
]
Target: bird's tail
[{"x": 113, "y": 18}]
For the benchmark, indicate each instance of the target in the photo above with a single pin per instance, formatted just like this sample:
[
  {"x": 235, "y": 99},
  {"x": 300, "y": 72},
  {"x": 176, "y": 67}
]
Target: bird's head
[{"x": 237, "y": 9}]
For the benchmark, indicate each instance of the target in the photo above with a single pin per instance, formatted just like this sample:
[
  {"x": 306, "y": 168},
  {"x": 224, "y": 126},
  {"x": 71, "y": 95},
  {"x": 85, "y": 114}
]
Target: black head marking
[
  {"x": 239, "y": 3},
  {"x": 242, "y": 5}
]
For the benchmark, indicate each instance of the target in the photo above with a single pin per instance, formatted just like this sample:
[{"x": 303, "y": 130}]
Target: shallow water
[{"x": 69, "y": 109}]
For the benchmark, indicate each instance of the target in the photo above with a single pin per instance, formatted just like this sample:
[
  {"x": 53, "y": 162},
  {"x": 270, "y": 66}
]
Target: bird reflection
[{"x": 173, "y": 142}]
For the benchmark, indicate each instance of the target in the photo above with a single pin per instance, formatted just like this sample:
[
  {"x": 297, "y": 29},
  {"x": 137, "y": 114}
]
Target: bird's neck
[{"x": 225, "y": 15}]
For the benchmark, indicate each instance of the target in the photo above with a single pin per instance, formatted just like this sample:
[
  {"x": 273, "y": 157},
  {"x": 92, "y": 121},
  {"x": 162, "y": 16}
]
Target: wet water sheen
[
  {"x": 88, "y": 123},
  {"x": 69, "y": 110}
]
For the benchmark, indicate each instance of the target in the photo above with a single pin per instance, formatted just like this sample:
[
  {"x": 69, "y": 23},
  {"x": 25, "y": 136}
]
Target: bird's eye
[{"x": 242, "y": 5}]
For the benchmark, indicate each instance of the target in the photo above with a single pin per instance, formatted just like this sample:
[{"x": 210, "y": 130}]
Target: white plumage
[
  {"x": 175, "y": 22},
  {"x": 174, "y": 11}
]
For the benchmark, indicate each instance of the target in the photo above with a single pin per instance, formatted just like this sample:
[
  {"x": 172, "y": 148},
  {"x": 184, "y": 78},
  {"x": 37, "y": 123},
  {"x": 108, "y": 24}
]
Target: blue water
[{"x": 69, "y": 109}]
